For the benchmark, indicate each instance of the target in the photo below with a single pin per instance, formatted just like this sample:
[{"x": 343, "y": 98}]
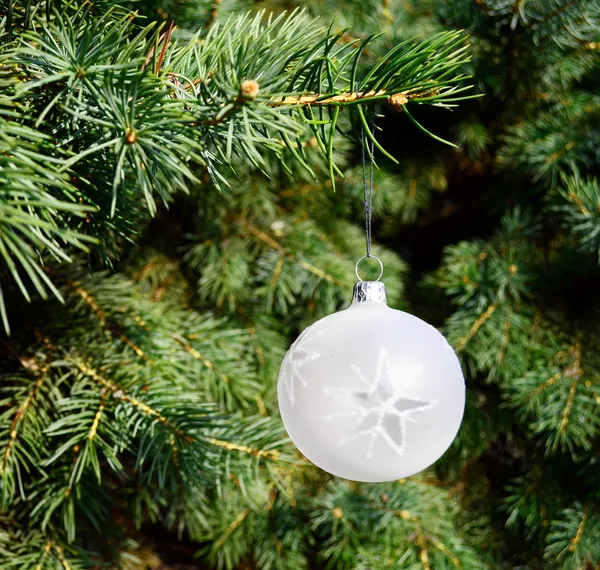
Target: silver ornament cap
[{"x": 369, "y": 291}]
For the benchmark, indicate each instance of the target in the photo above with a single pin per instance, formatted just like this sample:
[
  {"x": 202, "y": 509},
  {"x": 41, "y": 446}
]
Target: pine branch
[
  {"x": 573, "y": 537},
  {"x": 145, "y": 112}
]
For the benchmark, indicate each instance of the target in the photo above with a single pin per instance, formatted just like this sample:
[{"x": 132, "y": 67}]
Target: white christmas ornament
[{"x": 370, "y": 393}]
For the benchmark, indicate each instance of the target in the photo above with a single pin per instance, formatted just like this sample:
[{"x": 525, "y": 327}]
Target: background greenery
[{"x": 172, "y": 215}]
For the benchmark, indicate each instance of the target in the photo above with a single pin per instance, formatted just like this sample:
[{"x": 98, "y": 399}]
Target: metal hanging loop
[{"x": 369, "y": 257}]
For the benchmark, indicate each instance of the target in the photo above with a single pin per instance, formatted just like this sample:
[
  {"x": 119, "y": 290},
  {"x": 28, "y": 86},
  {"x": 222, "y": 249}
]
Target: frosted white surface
[{"x": 371, "y": 393}]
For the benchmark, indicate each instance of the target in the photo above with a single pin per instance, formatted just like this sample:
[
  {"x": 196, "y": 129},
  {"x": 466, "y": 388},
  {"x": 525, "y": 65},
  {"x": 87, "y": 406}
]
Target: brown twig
[
  {"x": 396, "y": 100},
  {"x": 162, "y": 38},
  {"x": 164, "y": 47}
]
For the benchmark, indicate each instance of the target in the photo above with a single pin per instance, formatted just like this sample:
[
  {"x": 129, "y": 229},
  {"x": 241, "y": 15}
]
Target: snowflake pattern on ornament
[
  {"x": 381, "y": 408},
  {"x": 298, "y": 355}
]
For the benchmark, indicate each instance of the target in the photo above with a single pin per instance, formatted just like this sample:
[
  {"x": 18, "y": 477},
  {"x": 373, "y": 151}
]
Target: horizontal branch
[
  {"x": 230, "y": 446},
  {"x": 395, "y": 99},
  {"x": 118, "y": 393}
]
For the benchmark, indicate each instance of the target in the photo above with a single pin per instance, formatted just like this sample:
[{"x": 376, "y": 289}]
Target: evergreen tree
[{"x": 180, "y": 192}]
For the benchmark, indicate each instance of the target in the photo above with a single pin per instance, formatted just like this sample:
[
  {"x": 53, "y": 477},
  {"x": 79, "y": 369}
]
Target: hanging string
[
  {"x": 368, "y": 184},
  {"x": 369, "y": 149}
]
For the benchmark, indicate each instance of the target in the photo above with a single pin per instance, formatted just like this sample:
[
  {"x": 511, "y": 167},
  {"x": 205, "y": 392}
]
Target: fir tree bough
[{"x": 179, "y": 192}]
